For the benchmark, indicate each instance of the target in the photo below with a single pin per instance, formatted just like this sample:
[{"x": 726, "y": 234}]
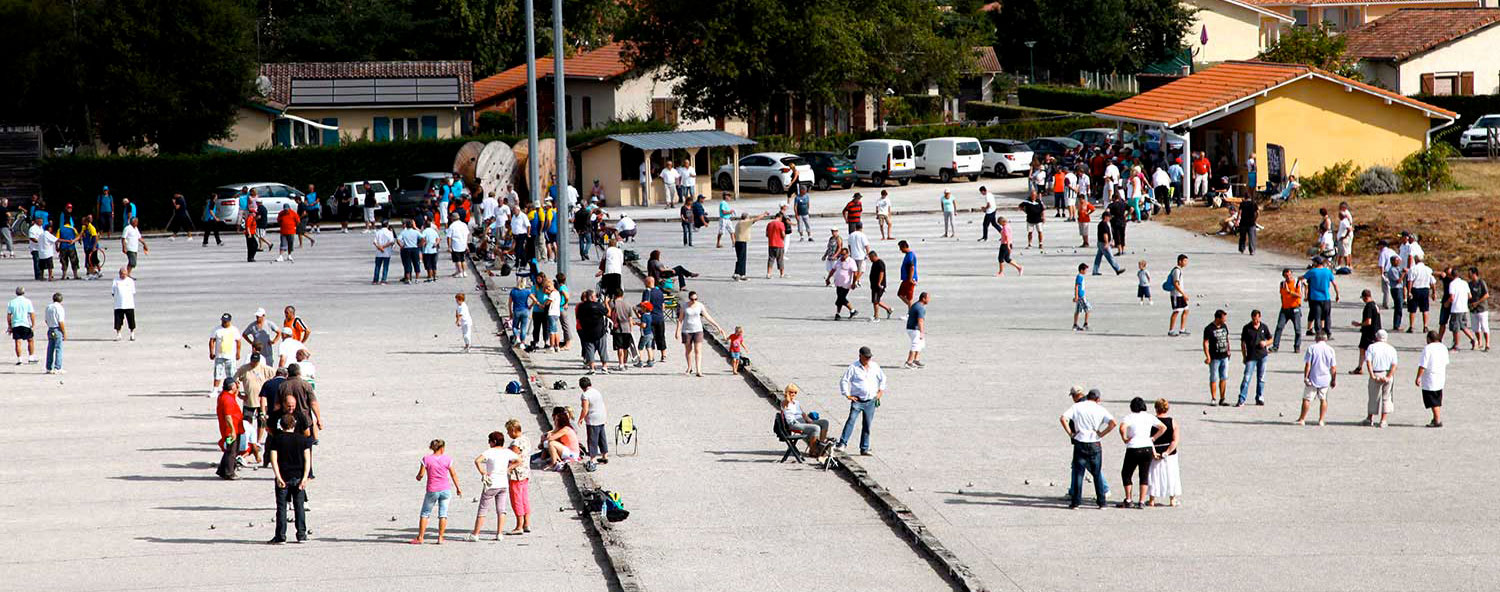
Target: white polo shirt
[
  {"x": 1087, "y": 417},
  {"x": 1435, "y": 366}
]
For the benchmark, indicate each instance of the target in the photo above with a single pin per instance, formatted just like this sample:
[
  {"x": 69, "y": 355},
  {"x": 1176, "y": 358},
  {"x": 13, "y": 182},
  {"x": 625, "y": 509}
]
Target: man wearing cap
[
  {"x": 106, "y": 210},
  {"x": 290, "y": 345},
  {"x": 863, "y": 384},
  {"x": 1380, "y": 360},
  {"x": 261, "y": 335},
  {"x": 224, "y": 349},
  {"x": 1087, "y": 423},
  {"x": 252, "y": 377}
]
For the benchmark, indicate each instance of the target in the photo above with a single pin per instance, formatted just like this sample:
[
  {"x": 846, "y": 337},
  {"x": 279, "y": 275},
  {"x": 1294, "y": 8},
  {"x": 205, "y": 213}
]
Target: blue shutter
[
  {"x": 382, "y": 129},
  {"x": 282, "y": 132},
  {"x": 429, "y": 126},
  {"x": 331, "y": 137}
]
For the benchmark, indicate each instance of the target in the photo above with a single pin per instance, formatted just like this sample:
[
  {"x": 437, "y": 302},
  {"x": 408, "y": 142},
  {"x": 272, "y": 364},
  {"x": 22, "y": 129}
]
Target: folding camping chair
[{"x": 626, "y": 433}]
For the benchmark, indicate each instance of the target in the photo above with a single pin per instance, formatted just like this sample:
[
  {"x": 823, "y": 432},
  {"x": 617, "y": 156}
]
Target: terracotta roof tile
[
  {"x": 985, "y": 60},
  {"x": 1344, "y": 2},
  {"x": 1225, "y": 84},
  {"x": 1411, "y": 31},
  {"x": 600, "y": 64},
  {"x": 281, "y": 75}
]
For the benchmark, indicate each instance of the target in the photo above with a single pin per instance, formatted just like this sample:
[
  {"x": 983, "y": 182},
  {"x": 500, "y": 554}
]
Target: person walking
[
  {"x": 1255, "y": 338},
  {"x": 883, "y": 215},
  {"x": 990, "y": 211},
  {"x": 442, "y": 486},
  {"x": 231, "y": 422},
  {"x": 1081, "y": 304},
  {"x": 1105, "y": 242},
  {"x": 1006, "y": 255},
  {"x": 252, "y": 240},
  {"x": 742, "y": 244},
  {"x": 132, "y": 243},
  {"x": 842, "y": 278},
  {"x": 463, "y": 320},
  {"x": 1177, "y": 323},
  {"x": 290, "y": 458},
  {"x": 1165, "y": 475},
  {"x": 1087, "y": 423},
  {"x": 916, "y": 331},
  {"x": 863, "y": 384},
  {"x": 776, "y": 232},
  {"x": 1432, "y": 375},
  {"x": 1320, "y": 283},
  {"x": 907, "y": 291},
  {"x": 224, "y": 349},
  {"x": 1139, "y": 431},
  {"x": 123, "y": 290},
  {"x": 1291, "y": 310},
  {"x": 1456, "y": 297},
  {"x": 690, "y": 326},
  {"x": 945, "y": 203},
  {"x": 1216, "y": 356},
  {"x": 801, "y": 208},
  {"x": 494, "y": 464},
  {"x": 20, "y": 318},
  {"x": 57, "y": 331},
  {"x": 1320, "y": 375},
  {"x": 1368, "y": 325},
  {"x": 853, "y": 211},
  {"x": 592, "y": 412},
  {"x": 877, "y": 277},
  {"x": 1380, "y": 358},
  {"x": 1479, "y": 313},
  {"x": 1036, "y": 215}
]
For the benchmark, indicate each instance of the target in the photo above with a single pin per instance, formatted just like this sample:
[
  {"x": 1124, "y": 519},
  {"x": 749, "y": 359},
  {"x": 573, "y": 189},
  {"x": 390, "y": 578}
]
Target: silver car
[{"x": 228, "y": 199}]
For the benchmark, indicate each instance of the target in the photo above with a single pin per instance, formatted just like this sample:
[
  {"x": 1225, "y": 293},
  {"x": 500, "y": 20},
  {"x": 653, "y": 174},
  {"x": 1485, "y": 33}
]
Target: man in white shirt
[
  {"x": 883, "y": 215},
  {"x": 863, "y": 384},
  {"x": 489, "y": 207},
  {"x": 625, "y": 228},
  {"x": 1457, "y": 300},
  {"x": 34, "y": 236},
  {"x": 1410, "y": 248},
  {"x": 1111, "y": 180},
  {"x": 385, "y": 246},
  {"x": 123, "y": 290},
  {"x": 1320, "y": 374},
  {"x": 610, "y": 268},
  {"x": 1380, "y": 359},
  {"x": 20, "y": 317},
  {"x": 592, "y": 413},
  {"x": 1418, "y": 290},
  {"x": 1432, "y": 373},
  {"x": 989, "y": 215},
  {"x": 685, "y": 177},
  {"x": 458, "y": 246},
  {"x": 57, "y": 332},
  {"x": 1344, "y": 246},
  {"x": 1384, "y": 260},
  {"x": 287, "y": 348},
  {"x": 46, "y": 252},
  {"x": 859, "y": 250},
  {"x": 669, "y": 184},
  {"x": 1160, "y": 181},
  {"x": 1086, "y": 423},
  {"x": 132, "y": 243},
  {"x": 224, "y": 349},
  {"x": 1070, "y": 194}
]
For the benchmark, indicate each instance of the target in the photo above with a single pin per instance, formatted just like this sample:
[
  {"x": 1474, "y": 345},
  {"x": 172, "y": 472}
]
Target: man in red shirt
[
  {"x": 231, "y": 428},
  {"x": 252, "y": 243},
  {"x": 287, "y": 222},
  {"x": 853, "y": 210},
  {"x": 776, "y": 239},
  {"x": 1200, "y": 175}
]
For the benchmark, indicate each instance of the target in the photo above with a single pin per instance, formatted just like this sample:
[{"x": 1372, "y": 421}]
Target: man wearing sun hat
[{"x": 224, "y": 349}]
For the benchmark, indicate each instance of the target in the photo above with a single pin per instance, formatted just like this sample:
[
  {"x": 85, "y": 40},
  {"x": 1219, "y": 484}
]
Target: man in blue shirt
[
  {"x": 916, "y": 331},
  {"x": 521, "y": 300},
  {"x": 67, "y": 250},
  {"x": 106, "y": 209},
  {"x": 656, "y": 320},
  {"x": 907, "y": 291},
  {"x": 312, "y": 209},
  {"x": 1319, "y": 281},
  {"x": 127, "y": 210}
]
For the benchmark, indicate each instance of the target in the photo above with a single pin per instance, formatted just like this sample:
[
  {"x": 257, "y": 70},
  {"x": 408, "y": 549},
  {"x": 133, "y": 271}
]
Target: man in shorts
[
  {"x": 916, "y": 331},
  {"x": 776, "y": 232},
  {"x": 1320, "y": 374},
  {"x": 1479, "y": 314},
  {"x": 877, "y": 288},
  {"x": 20, "y": 317},
  {"x": 1177, "y": 323},
  {"x": 1418, "y": 292},
  {"x": 1216, "y": 356},
  {"x": 370, "y": 205},
  {"x": 223, "y": 343},
  {"x": 726, "y": 220},
  {"x": 1432, "y": 373},
  {"x": 1081, "y": 304},
  {"x": 907, "y": 291},
  {"x": 1457, "y": 298},
  {"x": 1036, "y": 214}
]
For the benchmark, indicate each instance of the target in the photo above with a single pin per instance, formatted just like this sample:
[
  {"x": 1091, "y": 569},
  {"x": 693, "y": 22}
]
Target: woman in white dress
[{"x": 1165, "y": 478}]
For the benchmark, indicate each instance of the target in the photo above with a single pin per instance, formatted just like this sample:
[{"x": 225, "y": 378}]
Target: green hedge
[
  {"x": 1068, "y": 98},
  {"x": 1469, "y": 109},
  {"x": 983, "y": 111},
  {"x": 1015, "y": 130}
]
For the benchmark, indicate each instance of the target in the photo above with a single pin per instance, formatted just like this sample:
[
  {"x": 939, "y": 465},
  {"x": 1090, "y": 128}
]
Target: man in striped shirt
[{"x": 853, "y": 210}]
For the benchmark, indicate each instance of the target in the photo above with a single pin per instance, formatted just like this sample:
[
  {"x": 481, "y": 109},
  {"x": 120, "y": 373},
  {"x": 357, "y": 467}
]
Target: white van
[
  {"x": 878, "y": 160},
  {"x": 946, "y": 158}
]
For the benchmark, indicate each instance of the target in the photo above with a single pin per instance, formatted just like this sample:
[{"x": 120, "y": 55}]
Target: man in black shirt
[
  {"x": 1116, "y": 209},
  {"x": 1105, "y": 237},
  {"x": 270, "y": 402},
  {"x": 877, "y": 287},
  {"x": 1249, "y": 212},
  {"x": 1255, "y": 338},
  {"x": 1369, "y": 325},
  {"x": 592, "y": 331},
  {"x": 1036, "y": 213},
  {"x": 289, "y": 459},
  {"x": 1216, "y": 356}
]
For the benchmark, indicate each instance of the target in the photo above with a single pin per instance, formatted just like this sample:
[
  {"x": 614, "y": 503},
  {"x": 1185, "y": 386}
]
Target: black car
[
  {"x": 407, "y": 200},
  {"x": 1041, "y": 148},
  {"x": 829, "y": 169}
]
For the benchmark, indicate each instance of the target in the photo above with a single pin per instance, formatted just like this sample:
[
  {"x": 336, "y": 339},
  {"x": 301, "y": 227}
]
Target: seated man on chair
[{"x": 808, "y": 427}]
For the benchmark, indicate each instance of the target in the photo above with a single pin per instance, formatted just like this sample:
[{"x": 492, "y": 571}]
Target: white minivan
[
  {"x": 879, "y": 160},
  {"x": 946, "y": 158}
]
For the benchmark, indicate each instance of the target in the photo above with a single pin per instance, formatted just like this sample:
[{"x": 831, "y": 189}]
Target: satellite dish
[{"x": 263, "y": 85}]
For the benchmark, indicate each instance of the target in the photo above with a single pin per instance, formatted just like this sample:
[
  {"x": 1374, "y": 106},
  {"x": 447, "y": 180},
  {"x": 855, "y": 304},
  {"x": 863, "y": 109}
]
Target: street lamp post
[
  {"x": 533, "y": 173},
  {"x": 1031, "y": 57},
  {"x": 564, "y": 200}
]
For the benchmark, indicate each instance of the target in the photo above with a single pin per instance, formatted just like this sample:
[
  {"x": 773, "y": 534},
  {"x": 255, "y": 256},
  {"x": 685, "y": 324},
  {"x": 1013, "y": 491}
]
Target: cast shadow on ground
[
  {"x": 191, "y": 465},
  {"x": 211, "y": 509},
  {"x": 996, "y": 498},
  {"x": 1285, "y": 422}
]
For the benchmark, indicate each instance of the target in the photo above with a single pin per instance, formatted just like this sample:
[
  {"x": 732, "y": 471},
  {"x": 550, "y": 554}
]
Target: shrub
[
  {"x": 1378, "y": 180},
  {"x": 1337, "y": 179},
  {"x": 1068, "y": 98},
  {"x": 1469, "y": 109},
  {"x": 1427, "y": 170},
  {"x": 495, "y": 122}
]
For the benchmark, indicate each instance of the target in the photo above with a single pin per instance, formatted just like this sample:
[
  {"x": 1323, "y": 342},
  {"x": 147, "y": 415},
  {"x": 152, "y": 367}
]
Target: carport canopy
[{"x": 684, "y": 140}]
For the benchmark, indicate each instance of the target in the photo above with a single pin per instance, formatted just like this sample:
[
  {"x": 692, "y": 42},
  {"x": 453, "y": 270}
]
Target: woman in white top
[
  {"x": 1166, "y": 480},
  {"x": 810, "y": 427},
  {"x": 690, "y": 328},
  {"x": 1138, "y": 430}
]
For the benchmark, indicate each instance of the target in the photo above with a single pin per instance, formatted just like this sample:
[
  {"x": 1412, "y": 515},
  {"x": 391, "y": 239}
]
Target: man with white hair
[
  {"x": 288, "y": 348},
  {"x": 1418, "y": 290},
  {"x": 1380, "y": 361}
]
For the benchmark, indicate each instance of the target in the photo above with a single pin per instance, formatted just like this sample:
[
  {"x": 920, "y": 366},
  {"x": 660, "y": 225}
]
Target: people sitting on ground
[
  {"x": 562, "y": 442},
  {"x": 808, "y": 426},
  {"x": 655, "y": 268},
  {"x": 1231, "y": 223}
]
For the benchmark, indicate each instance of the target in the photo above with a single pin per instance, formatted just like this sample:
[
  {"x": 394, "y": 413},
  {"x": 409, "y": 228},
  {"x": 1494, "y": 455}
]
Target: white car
[
  {"x": 771, "y": 171},
  {"x": 382, "y": 194},
  {"x": 946, "y": 158},
  {"x": 1477, "y": 138},
  {"x": 1006, "y": 157},
  {"x": 228, "y": 200}
]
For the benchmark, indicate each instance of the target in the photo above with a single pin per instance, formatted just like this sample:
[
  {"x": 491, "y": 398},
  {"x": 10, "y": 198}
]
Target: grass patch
[{"x": 1459, "y": 227}]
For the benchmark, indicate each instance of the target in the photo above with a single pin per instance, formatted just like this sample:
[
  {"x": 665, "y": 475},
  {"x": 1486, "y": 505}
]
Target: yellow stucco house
[
  {"x": 1343, "y": 15},
  {"x": 1225, "y": 30},
  {"x": 1316, "y": 118}
]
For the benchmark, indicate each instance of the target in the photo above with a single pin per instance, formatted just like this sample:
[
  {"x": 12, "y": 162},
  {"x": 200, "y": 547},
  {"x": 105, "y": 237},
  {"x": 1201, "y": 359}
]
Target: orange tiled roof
[
  {"x": 600, "y": 64},
  {"x": 1411, "y": 31},
  {"x": 985, "y": 60},
  {"x": 1223, "y": 85},
  {"x": 1348, "y": 2}
]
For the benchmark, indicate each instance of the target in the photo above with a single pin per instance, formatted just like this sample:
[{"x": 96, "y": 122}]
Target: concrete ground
[
  {"x": 108, "y": 470},
  {"x": 916, "y": 196},
  {"x": 973, "y": 444}
]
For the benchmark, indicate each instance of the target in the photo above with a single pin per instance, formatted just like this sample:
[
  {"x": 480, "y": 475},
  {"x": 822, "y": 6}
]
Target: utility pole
[
  {"x": 1031, "y": 57},
  {"x": 560, "y": 116},
  {"x": 533, "y": 182}
]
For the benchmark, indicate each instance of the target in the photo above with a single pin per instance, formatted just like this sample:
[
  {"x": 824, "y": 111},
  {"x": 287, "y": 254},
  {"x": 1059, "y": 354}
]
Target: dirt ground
[{"x": 1459, "y": 227}]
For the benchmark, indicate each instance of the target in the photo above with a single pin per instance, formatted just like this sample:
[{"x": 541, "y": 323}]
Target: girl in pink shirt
[{"x": 442, "y": 485}]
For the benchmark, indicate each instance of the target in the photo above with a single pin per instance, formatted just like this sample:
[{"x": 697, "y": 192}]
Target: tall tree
[
  {"x": 1098, "y": 35},
  {"x": 1317, "y": 46}
]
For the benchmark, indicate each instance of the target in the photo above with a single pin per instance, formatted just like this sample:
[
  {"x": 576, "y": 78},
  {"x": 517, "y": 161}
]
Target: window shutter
[
  {"x": 429, "y": 126},
  {"x": 1428, "y": 82},
  {"x": 382, "y": 129},
  {"x": 1466, "y": 84},
  {"x": 331, "y": 137},
  {"x": 282, "y": 132}
]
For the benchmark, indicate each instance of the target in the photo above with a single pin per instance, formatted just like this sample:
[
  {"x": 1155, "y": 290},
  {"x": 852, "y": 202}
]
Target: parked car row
[{"x": 278, "y": 196}]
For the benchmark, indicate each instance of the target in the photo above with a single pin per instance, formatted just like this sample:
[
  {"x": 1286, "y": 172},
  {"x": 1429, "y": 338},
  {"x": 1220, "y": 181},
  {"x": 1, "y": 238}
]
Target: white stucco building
[
  {"x": 1232, "y": 29},
  {"x": 1436, "y": 51}
]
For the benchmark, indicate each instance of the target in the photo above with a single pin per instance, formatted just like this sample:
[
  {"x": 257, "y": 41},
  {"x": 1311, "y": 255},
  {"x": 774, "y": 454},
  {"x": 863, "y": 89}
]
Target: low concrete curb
[
  {"x": 621, "y": 575},
  {"x": 897, "y": 514}
]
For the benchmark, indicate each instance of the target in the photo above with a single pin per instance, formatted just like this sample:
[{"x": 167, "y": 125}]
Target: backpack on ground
[{"x": 514, "y": 388}]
